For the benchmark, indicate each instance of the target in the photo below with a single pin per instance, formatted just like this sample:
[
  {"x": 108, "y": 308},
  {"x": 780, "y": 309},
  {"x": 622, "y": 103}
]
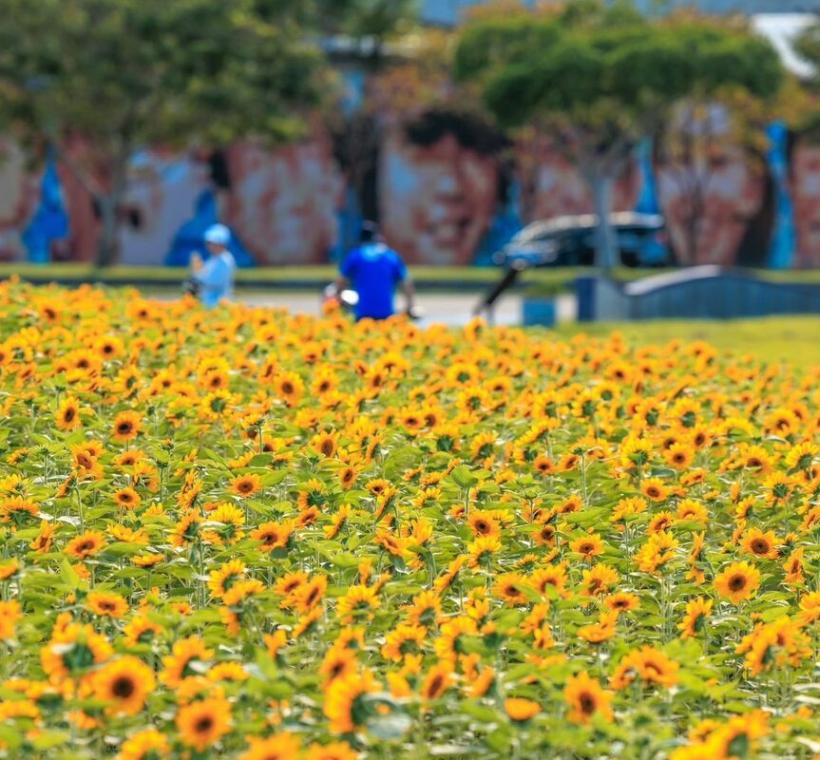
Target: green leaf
[
  {"x": 480, "y": 712},
  {"x": 463, "y": 477}
]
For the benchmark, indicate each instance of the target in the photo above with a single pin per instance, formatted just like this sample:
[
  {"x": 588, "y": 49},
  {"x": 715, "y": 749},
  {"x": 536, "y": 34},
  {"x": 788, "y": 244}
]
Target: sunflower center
[
  {"x": 69, "y": 414},
  {"x": 737, "y": 583},
  {"x": 123, "y": 428},
  {"x": 123, "y": 687},
  {"x": 587, "y": 703},
  {"x": 435, "y": 686},
  {"x": 204, "y": 724},
  {"x": 759, "y": 546}
]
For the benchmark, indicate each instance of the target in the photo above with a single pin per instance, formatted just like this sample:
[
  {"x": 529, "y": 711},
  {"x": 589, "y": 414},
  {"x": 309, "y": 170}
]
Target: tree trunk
[
  {"x": 693, "y": 233},
  {"x": 606, "y": 244},
  {"x": 108, "y": 243},
  {"x": 108, "y": 247}
]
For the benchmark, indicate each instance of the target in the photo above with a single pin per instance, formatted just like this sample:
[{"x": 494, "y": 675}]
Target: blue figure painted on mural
[
  {"x": 50, "y": 220},
  {"x": 784, "y": 238},
  {"x": 189, "y": 237}
]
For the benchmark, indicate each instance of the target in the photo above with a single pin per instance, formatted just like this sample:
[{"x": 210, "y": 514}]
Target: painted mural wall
[{"x": 445, "y": 187}]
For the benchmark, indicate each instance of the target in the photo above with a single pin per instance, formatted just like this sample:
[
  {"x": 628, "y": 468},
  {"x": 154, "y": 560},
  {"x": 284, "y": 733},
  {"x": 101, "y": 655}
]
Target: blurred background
[{"x": 128, "y": 127}]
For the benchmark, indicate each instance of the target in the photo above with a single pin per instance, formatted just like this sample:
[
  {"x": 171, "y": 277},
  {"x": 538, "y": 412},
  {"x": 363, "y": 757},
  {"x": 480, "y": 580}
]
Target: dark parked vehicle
[{"x": 570, "y": 241}]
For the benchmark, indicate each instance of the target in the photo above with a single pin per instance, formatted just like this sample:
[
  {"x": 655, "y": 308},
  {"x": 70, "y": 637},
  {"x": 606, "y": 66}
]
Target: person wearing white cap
[{"x": 214, "y": 277}]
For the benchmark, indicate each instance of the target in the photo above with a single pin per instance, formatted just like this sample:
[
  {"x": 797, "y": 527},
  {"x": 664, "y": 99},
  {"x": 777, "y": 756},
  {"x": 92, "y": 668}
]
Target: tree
[
  {"x": 125, "y": 73},
  {"x": 807, "y": 46},
  {"x": 369, "y": 22},
  {"x": 601, "y": 77},
  {"x": 722, "y": 113}
]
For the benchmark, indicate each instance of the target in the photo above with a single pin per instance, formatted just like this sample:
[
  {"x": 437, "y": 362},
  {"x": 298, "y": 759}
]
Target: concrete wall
[
  {"x": 448, "y": 12},
  {"x": 706, "y": 292}
]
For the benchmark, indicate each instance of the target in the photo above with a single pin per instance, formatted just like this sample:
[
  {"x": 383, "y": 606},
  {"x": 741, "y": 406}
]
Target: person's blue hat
[{"x": 218, "y": 234}]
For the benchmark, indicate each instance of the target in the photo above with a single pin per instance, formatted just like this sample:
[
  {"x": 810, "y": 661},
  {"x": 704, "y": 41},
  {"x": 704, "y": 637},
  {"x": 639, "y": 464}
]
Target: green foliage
[
  {"x": 602, "y": 76},
  {"x": 808, "y": 46},
  {"x": 367, "y": 18},
  {"x": 565, "y": 63},
  {"x": 126, "y": 71}
]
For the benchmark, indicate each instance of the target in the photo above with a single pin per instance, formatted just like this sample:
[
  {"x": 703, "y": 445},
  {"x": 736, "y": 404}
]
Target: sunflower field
[{"x": 243, "y": 533}]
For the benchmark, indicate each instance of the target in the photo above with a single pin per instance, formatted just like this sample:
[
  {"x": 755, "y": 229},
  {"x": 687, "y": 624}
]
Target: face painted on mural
[
  {"x": 163, "y": 188},
  {"x": 283, "y": 204},
  {"x": 18, "y": 199},
  {"x": 554, "y": 187},
  {"x": 732, "y": 188},
  {"x": 436, "y": 200},
  {"x": 806, "y": 197}
]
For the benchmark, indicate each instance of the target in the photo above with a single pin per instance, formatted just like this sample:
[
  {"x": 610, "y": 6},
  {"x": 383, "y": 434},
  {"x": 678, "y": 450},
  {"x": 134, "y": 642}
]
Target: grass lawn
[
  {"x": 544, "y": 282},
  {"x": 792, "y": 339}
]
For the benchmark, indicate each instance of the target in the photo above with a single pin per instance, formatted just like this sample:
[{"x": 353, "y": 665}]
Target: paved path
[{"x": 447, "y": 308}]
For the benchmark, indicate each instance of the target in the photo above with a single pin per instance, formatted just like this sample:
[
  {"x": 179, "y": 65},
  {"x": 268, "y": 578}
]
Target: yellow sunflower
[
  {"x": 86, "y": 545},
  {"x": 127, "y": 498},
  {"x": 697, "y": 610},
  {"x": 284, "y": 746},
  {"x": 343, "y": 701},
  {"x": 438, "y": 679},
  {"x": 738, "y": 581},
  {"x": 202, "y": 724},
  {"x": 586, "y": 699},
  {"x": 107, "y": 604},
  {"x": 149, "y": 744},
  {"x": 221, "y": 579},
  {"x": 273, "y": 535},
  {"x": 183, "y": 653},
  {"x": 68, "y": 414},
  {"x": 338, "y": 662},
  {"x": 246, "y": 486},
  {"x": 520, "y": 710},
  {"x": 760, "y": 544},
  {"x": 124, "y": 684},
  {"x": 126, "y": 426}
]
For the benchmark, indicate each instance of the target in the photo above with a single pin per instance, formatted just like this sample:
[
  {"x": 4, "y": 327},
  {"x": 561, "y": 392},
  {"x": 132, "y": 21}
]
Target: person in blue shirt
[
  {"x": 374, "y": 271},
  {"x": 214, "y": 277}
]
